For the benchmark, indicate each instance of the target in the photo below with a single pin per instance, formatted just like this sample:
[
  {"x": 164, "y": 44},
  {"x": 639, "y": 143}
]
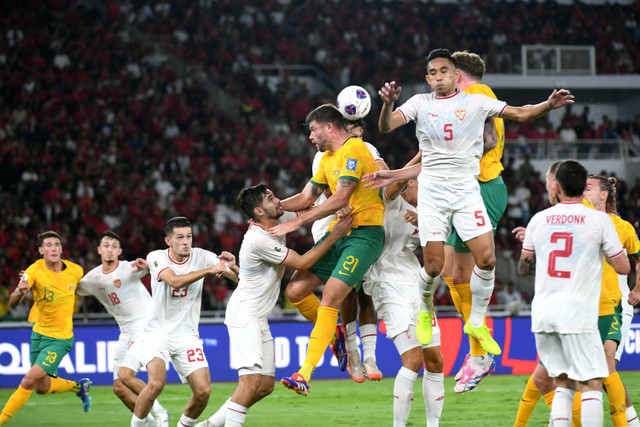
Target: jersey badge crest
[
  {"x": 117, "y": 283},
  {"x": 277, "y": 249},
  {"x": 461, "y": 113},
  {"x": 351, "y": 164}
]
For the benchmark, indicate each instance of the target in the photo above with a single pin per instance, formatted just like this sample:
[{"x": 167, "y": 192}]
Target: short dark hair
[
  {"x": 326, "y": 113},
  {"x": 554, "y": 167},
  {"x": 608, "y": 185},
  {"x": 175, "y": 222},
  {"x": 251, "y": 198},
  {"x": 110, "y": 234},
  {"x": 47, "y": 235},
  {"x": 470, "y": 63},
  {"x": 441, "y": 53},
  {"x": 572, "y": 178}
]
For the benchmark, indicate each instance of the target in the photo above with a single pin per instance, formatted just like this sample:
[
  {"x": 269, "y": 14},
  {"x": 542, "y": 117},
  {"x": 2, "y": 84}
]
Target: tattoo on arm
[
  {"x": 316, "y": 190},
  {"x": 490, "y": 137},
  {"x": 527, "y": 266},
  {"x": 347, "y": 182}
]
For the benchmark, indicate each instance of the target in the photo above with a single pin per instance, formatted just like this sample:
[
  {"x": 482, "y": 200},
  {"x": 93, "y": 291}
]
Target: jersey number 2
[{"x": 561, "y": 253}]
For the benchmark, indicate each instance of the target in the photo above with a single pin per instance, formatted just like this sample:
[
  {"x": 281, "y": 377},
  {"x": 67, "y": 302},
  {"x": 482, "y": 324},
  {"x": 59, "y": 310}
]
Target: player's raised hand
[
  {"x": 634, "y": 297},
  {"x": 285, "y": 228},
  {"x": 23, "y": 284},
  {"x": 228, "y": 257},
  {"x": 519, "y": 233},
  {"x": 342, "y": 212},
  {"x": 560, "y": 98},
  {"x": 378, "y": 179},
  {"x": 390, "y": 92},
  {"x": 140, "y": 264},
  {"x": 411, "y": 217},
  {"x": 343, "y": 226}
]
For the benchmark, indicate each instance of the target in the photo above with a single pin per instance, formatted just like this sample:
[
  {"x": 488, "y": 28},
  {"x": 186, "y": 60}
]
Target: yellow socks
[
  {"x": 321, "y": 336},
  {"x": 454, "y": 293},
  {"x": 615, "y": 390},
  {"x": 576, "y": 421},
  {"x": 60, "y": 385},
  {"x": 308, "y": 307},
  {"x": 15, "y": 402},
  {"x": 530, "y": 398}
]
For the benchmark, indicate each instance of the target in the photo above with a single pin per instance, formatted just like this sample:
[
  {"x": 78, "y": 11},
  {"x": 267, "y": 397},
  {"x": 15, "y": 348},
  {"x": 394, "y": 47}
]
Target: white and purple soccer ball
[{"x": 354, "y": 102}]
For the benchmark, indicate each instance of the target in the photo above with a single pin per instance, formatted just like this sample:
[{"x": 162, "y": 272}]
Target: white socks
[
  {"x": 186, "y": 421},
  {"x": 403, "y": 395},
  {"x": 592, "y": 410},
  {"x": 433, "y": 393},
  {"x": 236, "y": 414},
  {"x": 479, "y": 362},
  {"x": 428, "y": 286},
  {"x": 561, "y": 407},
  {"x": 632, "y": 417},
  {"x": 157, "y": 408},
  {"x": 218, "y": 419},
  {"x": 481, "y": 286},
  {"x": 352, "y": 343},
  {"x": 136, "y": 422},
  {"x": 369, "y": 337}
]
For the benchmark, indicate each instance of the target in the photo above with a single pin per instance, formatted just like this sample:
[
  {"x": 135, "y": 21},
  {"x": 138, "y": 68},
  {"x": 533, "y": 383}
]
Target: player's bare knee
[
  {"x": 294, "y": 293},
  {"x": 265, "y": 389},
  {"x": 119, "y": 388},
  {"x": 201, "y": 394},
  {"x": 487, "y": 261},
  {"x": 434, "y": 365},
  {"x": 155, "y": 387},
  {"x": 124, "y": 374},
  {"x": 412, "y": 359}
]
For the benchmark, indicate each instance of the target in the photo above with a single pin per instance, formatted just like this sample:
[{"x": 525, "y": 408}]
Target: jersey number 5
[
  {"x": 561, "y": 253},
  {"x": 448, "y": 131}
]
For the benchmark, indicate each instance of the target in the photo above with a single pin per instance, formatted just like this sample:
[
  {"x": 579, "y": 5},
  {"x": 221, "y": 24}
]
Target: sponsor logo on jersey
[
  {"x": 117, "y": 283},
  {"x": 277, "y": 249},
  {"x": 461, "y": 113}
]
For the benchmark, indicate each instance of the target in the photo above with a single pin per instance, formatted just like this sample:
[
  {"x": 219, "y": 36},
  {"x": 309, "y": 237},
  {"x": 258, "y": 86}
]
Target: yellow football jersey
[
  {"x": 491, "y": 161},
  {"x": 629, "y": 239},
  {"x": 351, "y": 161},
  {"x": 53, "y": 298}
]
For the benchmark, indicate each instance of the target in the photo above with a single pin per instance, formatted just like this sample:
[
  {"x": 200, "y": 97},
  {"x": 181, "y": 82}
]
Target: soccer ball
[{"x": 354, "y": 102}]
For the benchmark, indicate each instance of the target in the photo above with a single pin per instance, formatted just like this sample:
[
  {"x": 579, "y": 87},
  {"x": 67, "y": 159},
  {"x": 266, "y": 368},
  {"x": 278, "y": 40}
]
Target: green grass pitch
[{"x": 331, "y": 402}]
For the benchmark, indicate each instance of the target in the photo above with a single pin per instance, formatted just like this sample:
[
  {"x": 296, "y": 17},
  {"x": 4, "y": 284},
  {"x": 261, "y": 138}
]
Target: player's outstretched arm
[
  {"x": 140, "y": 264},
  {"x": 383, "y": 178},
  {"x": 306, "y": 261},
  {"x": 304, "y": 199},
  {"x": 557, "y": 99},
  {"x": 178, "y": 280},
  {"x": 389, "y": 119},
  {"x": 333, "y": 204}
]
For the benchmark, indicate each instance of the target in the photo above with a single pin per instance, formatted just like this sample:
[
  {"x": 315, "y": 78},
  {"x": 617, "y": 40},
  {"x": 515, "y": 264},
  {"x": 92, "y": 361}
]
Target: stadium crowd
[{"x": 98, "y": 130}]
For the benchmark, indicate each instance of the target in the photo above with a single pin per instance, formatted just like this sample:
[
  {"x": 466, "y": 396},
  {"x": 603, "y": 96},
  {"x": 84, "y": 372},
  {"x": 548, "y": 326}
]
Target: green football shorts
[
  {"x": 351, "y": 256},
  {"x": 609, "y": 325},
  {"x": 48, "y": 352}
]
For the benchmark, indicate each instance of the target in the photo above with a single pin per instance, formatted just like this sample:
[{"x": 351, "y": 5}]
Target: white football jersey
[
  {"x": 569, "y": 241},
  {"x": 261, "y": 270},
  {"x": 176, "y": 311},
  {"x": 321, "y": 226},
  {"x": 122, "y": 293},
  {"x": 397, "y": 263},
  {"x": 450, "y": 130}
]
